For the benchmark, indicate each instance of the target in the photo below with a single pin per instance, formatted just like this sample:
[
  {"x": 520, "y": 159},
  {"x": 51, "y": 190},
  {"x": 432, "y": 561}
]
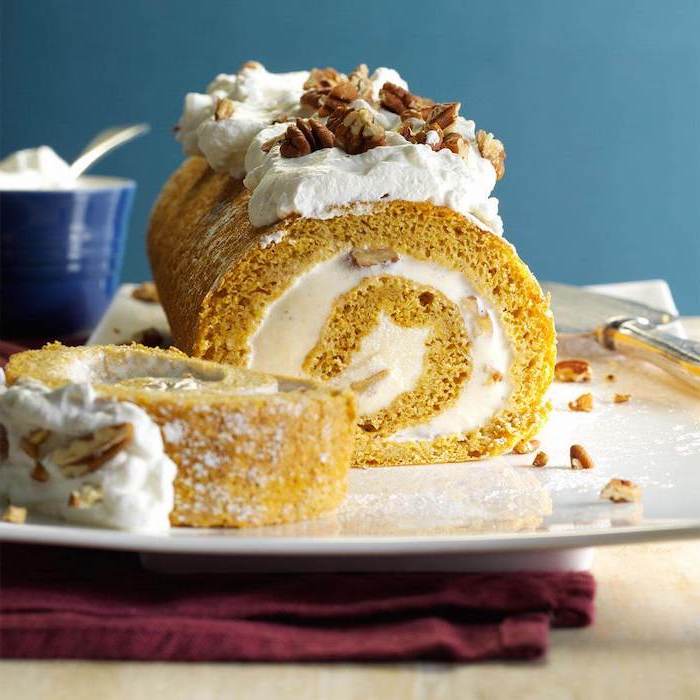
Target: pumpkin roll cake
[
  {"x": 136, "y": 438},
  {"x": 340, "y": 228}
]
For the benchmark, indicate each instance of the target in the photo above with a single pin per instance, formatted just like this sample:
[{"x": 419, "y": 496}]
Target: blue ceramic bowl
[{"x": 60, "y": 258}]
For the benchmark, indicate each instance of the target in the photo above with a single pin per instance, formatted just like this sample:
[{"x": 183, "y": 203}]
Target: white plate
[{"x": 494, "y": 506}]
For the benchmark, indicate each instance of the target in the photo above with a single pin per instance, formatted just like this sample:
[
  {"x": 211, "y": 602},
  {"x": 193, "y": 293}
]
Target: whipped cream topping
[
  {"x": 132, "y": 490},
  {"x": 315, "y": 185},
  {"x": 296, "y": 319},
  {"x": 35, "y": 169}
]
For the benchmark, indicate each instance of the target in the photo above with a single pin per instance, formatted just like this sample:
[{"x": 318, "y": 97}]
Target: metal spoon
[{"x": 105, "y": 142}]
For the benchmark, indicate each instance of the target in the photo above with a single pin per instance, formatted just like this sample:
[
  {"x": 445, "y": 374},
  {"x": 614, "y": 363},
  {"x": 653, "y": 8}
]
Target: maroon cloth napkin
[{"x": 81, "y": 604}]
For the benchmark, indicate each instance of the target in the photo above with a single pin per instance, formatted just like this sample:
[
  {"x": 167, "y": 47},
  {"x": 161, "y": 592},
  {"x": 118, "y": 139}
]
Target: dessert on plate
[
  {"x": 341, "y": 228},
  {"x": 136, "y": 438}
]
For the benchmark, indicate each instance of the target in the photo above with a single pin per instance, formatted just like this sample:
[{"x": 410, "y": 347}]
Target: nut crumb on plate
[
  {"x": 146, "y": 291},
  {"x": 541, "y": 459},
  {"x": 582, "y": 403},
  {"x": 14, "y": 514},
  {"x": 580, "y": 459},
  {"x": 621, "y": 491},
  {"x": 573, "y": 370}
]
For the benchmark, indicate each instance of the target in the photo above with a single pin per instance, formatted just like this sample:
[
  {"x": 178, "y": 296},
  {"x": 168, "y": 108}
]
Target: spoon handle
[{"x": 103, "y": 143}]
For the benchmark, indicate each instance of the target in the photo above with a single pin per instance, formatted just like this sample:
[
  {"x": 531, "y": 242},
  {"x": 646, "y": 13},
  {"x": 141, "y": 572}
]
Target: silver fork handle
[{"x": 639, "y": 338}]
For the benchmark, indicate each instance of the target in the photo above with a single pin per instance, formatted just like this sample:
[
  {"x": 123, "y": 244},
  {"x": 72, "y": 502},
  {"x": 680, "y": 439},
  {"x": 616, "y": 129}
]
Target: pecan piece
[
  {"x": 15, "y": 515},
  {"x": 580, "y": 459},
  {"x": 364, "y": 384},
  {"x": 39, "y": 473},
  {"x": 322, "y": 78},
  {"x": 622, "y": 398},
  {"x": 541, "y": 459},
  {"x": 356, "y": 130},
  {"x": 492, "y": 149},
  {"x": 582, "y": 403},
  {"x": 305, "y": 136},
  {"x": 366, "y": 257},
  {"x": 251, "y": 65},
  {"x": 340, "y": 96},
  {"x": 88, "y": 453},
  {"x": 444, "y": 114},
  {"x": 457, "y": 144},
  {"x": 32, "y": 442},
  {"x": 359, "y": 79},
  {"x": 621, "y": 491},
  {"x": 86, "y": 497},
  {"x": 397, "y": 99},
  {"x": 224, "y": 109},
  {"x": 572, "y": 371},
  {"x": 146, "y": 291}
]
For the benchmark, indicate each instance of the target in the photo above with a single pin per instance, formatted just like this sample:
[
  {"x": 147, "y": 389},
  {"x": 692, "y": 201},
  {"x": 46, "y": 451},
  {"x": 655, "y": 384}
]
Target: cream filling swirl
[{"x": 295, "y": 320}]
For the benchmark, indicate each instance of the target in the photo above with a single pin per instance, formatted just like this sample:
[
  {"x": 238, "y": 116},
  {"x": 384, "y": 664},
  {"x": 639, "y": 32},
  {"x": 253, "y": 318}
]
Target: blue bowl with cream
[{"x": 61, "y": 247}]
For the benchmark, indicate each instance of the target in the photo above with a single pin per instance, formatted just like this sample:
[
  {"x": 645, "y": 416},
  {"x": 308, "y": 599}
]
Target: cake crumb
[
  {"x": 622, "y": 398},
  {"x": 525, "y": 447}
]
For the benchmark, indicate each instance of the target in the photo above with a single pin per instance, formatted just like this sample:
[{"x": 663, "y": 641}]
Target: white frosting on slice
[
  {"x": 377, "y": 356},
  {"x": 295, "y": 320},
  {"x": 131, "y": 491}
]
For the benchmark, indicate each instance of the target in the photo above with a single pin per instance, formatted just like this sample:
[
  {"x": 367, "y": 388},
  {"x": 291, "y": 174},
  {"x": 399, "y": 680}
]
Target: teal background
[{"x": 598, "y": 103}]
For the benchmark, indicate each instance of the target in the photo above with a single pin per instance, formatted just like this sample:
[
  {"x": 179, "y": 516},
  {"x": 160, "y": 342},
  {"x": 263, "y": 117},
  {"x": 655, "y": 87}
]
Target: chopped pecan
[
  {"x": 32, "y": 442},
  {"x": 622, "y": 398},
  {"x": 457, "y": 144},
  {"x": 364, "y": 384},
  {"x": 444, "y": 114},
  {"x": 322, "y": 78},
  {"x": 360, "y": 80},
  {"x": 366, "y": 257},
  {"x": 621, "y": 491},
  {"x": 541, "y": 459},
  {"x": 397, "y": 99},
  {"x": 86, "y": 497},
  {"x": 572, "y": 371},
  {"x": 340, "y": 96},
  {"x": 525, "y": 447},
  {"x": 39, "y": 473},
  {"x": 582, "y": 403},
  {"x": 88, "y": 453},
  {"x": 305, "y": 136},
  {"x": 492, "y": 149},
  {"x": 251, "y": 65},
  {"x": 15, "y": 515},
  {"x": 146, "y": 291},
  {"x": 580, "y": 459},
  {"x": 356, "y": 130},
  {"x": 223, "y": 109}
]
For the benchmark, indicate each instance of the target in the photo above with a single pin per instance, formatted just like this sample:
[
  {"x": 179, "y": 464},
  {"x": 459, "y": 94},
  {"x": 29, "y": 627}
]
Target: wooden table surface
[{"x": 645, "y": 643}]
